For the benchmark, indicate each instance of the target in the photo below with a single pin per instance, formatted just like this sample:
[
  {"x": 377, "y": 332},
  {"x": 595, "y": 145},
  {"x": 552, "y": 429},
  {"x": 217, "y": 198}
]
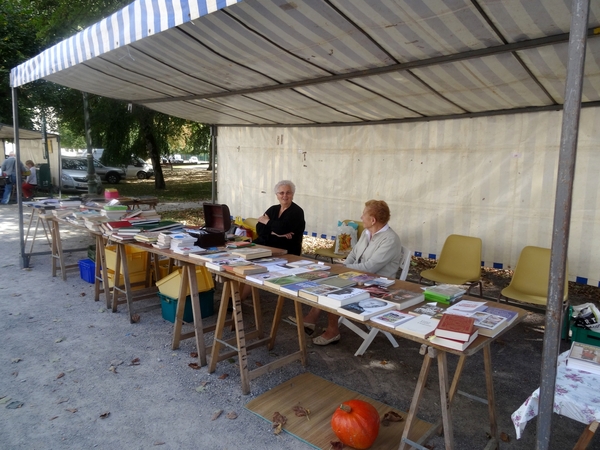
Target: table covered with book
[{"x": 374, "y": 306}]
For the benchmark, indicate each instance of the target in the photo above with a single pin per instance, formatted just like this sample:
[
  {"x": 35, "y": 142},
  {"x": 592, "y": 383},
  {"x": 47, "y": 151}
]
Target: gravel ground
[{"x": 87, "y": 378}]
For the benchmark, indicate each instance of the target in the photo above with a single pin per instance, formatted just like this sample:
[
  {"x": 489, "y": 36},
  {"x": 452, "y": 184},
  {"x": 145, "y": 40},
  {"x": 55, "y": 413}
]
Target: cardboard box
[
  {"x": 170, "y": 284},
  {"x": 136, "y": 258},
  {"x": 169, "y": 306},
  {"x": 217, "y": 222},
  {"x": 87, "y": 270}
]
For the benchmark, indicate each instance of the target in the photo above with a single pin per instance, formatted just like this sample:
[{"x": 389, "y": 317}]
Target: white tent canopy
[{"x": 306, "y": 64}]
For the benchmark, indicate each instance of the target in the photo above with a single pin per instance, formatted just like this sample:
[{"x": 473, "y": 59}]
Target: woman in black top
[{"x": 282, "y": 225}]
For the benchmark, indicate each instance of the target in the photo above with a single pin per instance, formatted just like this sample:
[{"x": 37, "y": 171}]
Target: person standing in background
[
  {"x": 9, "y": 168},
  {"x": 31, "y": 180}
]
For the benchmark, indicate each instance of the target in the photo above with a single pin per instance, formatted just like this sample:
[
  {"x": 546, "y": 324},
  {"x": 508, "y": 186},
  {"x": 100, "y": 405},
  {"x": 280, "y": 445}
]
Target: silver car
[
  {"x": 76, "y": 180},
  {"x": 111, "y": 175}
]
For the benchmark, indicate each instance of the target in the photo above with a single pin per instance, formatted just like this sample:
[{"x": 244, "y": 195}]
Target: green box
[
  {"x": 91, "y": 252},
  {"x": 169, "y": 306},
  {"x": 584, "y": 336}
]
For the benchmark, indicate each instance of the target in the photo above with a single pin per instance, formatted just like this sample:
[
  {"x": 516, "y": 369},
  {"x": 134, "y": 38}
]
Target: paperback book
[
  {"x": 252, "y": 252},
  {"x": 313, "y": 293},
  {"x": 363, "y": 310},
  {"x": 429, "y": 309},
  {"x": 357, "y": 277},
  {"x": 403, "y": 298},
  {"x": 259, "y": 278},
  {"x": 314, "y": 275},
  {"x": 489, "y": 324},
  {"x": 444, "y": 293},
  {"x": 276, "y": 283},
  {"x": 376, "y": 291},
  {"x": 219, "y": 265},
  {"x": 391, "y": 318},
  {"x": 466, "y": 306},
  {"x": 294, "y": 288},
  {"x": 248, "y": 269},
  {"x": 343, "y": 296},
  {"x": 584, "y": 357},
  {"x": 421, "y": 326},
  {"x": 337, "y": 282},
  {"x": 382, "y": 282}
]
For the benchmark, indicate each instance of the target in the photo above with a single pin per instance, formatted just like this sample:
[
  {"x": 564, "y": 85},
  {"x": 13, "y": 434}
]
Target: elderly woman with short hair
[
  {"x": 378, "y": 251},
  {"x": 282, "y": 225}
]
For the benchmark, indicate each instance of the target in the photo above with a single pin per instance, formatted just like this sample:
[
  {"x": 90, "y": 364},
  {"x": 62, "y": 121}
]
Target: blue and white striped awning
[{"x": 310, "y": 62}]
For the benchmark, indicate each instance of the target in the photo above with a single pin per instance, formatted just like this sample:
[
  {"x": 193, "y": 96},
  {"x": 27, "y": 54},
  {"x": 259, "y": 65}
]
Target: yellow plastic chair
[
  {"x": 330, "y": 253},
  {"x": 459, "y": 263},
  {"x": 529, "y": 283},
  {"x": 250, "y": 222},
  {"x": 370, "y": 334}
]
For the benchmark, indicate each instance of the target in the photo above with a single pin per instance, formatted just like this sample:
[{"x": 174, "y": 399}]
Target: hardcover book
[
  {"x": 248, "y": 269},
  {"x": 444, "y": 293},
  {"x": 391, "y": 318},
  {"x": 259, "y": 278},
  {"x": 466, "y": 306},
  {"x": 403, "y": 298},
  {"x": 363, "y": 310},
  {"x": 421, "y": 326},
  {"x": 252, "y": 252},
  {"x": 506, "y": 313},
  {"x": 276, "y": 283},
  {"x": 458, "y": 328},
  {"x": 337, "y": 282},
  {"x": 295, "y": 287},
  {"x": 343, "y": 296},
  {"x": 489, "y": 324},
  {"x": 313, "y": 293},
  {"x": 453, "y": 344},
  {"x": 219, "y": 265}
]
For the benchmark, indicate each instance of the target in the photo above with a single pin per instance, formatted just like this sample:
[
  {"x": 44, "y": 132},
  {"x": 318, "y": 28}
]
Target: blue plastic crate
[
  {"x": 169, "y": 306},
  {"x": 87, "y": 270}
]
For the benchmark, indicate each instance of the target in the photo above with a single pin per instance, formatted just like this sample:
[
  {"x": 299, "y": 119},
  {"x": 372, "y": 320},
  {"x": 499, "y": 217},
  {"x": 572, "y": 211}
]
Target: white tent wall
[{"x": 491, "y": 177}]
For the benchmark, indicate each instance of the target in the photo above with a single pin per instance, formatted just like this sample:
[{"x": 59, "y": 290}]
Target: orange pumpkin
[{"x": 356, "y": 424}]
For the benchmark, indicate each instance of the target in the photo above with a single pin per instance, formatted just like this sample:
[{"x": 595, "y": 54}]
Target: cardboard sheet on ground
[{"x": 322, "y": 397}]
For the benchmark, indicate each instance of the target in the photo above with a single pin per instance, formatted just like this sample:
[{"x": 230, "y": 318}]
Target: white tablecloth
[{"x": 577, "y": 395}]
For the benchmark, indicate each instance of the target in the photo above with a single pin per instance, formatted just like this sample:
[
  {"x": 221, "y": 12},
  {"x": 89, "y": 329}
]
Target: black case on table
[{"x": 217, "y": 222}]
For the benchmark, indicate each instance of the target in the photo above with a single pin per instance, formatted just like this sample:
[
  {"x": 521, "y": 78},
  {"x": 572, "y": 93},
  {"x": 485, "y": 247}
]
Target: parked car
[
  {"x": 177, "y": 159},
  {"x": 74, "y": 176},
  {"x": 138, "y": 168},
  {"x": 111, "y": 175},
  {"x": 193, "y": 160}
]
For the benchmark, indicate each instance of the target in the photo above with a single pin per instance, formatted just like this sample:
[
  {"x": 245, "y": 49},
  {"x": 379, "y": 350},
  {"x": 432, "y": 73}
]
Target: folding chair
[
  {"x": 372, "y": 332},
  {"x": 459, "y": 263}
]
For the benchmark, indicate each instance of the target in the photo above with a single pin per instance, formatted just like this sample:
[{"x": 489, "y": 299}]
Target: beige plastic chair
[
  {"x": 529, "y": 283},
  {"x": 459, "y": 263},
  {"x": 330, "y": 253},
  {"x": 369, "y": 335}
]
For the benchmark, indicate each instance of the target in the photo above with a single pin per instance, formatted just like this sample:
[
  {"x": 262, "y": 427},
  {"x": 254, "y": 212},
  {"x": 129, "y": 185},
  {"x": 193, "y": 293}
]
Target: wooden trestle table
[{"x": 429, "y": 351}]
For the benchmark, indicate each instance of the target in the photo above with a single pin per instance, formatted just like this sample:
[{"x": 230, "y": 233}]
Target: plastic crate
[
  {"x": 163, "y": 268},
  {"x": 87, "y": 270},
  {"x": 170, "y": 284},
  {"x": 584, "y": 336},
  {"x": 136, "y": 258},
  {"x": 134, "y": 277},
  {"x": 169, "y": 306}
]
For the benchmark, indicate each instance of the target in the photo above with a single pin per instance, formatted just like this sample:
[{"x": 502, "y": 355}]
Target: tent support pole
[
  {"x": 213, "y": 144},
  {"x": 562, "y": 217},
  {"x": 15, "y": 110}
]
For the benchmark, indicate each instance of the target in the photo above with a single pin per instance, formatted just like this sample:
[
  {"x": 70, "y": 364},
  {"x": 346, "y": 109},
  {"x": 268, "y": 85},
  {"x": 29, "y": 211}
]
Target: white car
[
  {"x": 140, "y": 169},
  {"x": 193, "y": 160}
]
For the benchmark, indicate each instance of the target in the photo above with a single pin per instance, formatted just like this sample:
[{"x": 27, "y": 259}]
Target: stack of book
[
  {"x": 584, "y": 357},
  {"x": 342, "y": 297},
  {"x": 403, "y": 298},
  {"x": 251, "y": 252},
  {"x": 421, "y": 326},
  {"x": 454, "y": 331},
  {"x": 148, "y": 237},
  {"x": 443, "y": 293},
  {"x": 181, "y": 240},
  {"x": 142, "y": 217}
]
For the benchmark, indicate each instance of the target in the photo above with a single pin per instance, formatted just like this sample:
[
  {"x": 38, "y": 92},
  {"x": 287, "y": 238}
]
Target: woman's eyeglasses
[{"x": 281, "y": 194}]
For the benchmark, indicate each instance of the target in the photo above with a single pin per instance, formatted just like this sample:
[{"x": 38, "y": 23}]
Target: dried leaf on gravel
[
  {"x": 104, "y": 415},
  {"x": 116, "y": 362},
  {"x": 301, "y": 411},
  {"x": 15, "y": 373},
  {"x": 71, "y": 410},
  {"x": 159, "y": 443},
  {"x": 193, "y": 354},
  {"x": 14, "y": 405},
  {"x": 52, "y": 418},
  {"x": 391, "y": 416},
  {"x": 504, "y": 437},
  {"x": 223, "y": 376},
  {"x": 194, "y": 366},
  {"x": 113, "y": 369},
  {"x": 135, "y": 362},
  {"x": 82, "y": 294},
  {"x": 231, "y": 415},
  {"x": 336, "y": 445},
  {"x": 62, "y": 400},
  {"x": 216, "y": 414},
  {"x": 4, "y": 400},
  {"x": 135, "y": 318},
  {"x": 279, "y": 421},
  {"x": 56, "y": 341},
  {"x": 15, "y": 360},
  {"x": 60, "y": 375}
]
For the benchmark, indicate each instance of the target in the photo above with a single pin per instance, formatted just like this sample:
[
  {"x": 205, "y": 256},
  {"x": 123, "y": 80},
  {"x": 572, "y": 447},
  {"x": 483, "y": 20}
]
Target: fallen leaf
[
  {"x": 104, "y": 415},
  {"x": 301, "y": 412},
  {"x": 159, "y": 443},
  {"x": 279, "y": 421},
  {"x": 135, "y": 362},
  {"x": 231, "y": 415},
  {"x": 336, "y": 445},
  {"x": 14, "y": 405},
  {"x": 60, "y": 375},
  {"x": 101, "y": 310},
  {"x": 193, "y": 354},
  {"x": 222, "y": 377},
  {"x": 113, "y": 369},
  {"x": 56, "y": 341},
  {"x": 258, "y": 364},
  {"x": 116, "y": 362},
  {"x": 194, "y": 366},
  {"x": 216, "y": 414},
  {"x": 82, "y": 294},
  {"x": 200, "y": 388},
  {"x": 504, "y": 437},
  {"x": 15, "y": 373},
  {"x": 16, "y": 360},
  {"x": 383, "y": 362},
  {"x": 52, "y": 418},
  {"x": 4, "y": 400},
  {"x": 391, "y": 416},
  {"x": 71, "y": 410},
  {"x": 62, "y": 400},
  {"x": 135, "y": 318}
]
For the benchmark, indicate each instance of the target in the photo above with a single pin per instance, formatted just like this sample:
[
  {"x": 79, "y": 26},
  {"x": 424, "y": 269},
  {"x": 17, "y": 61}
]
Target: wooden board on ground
[{"x": 322, "y": 397}]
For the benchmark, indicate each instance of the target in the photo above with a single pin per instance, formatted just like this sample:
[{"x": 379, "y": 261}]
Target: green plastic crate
[
  {"x": 582, "y": 335},
  {"x": 169, "y": 306}
]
